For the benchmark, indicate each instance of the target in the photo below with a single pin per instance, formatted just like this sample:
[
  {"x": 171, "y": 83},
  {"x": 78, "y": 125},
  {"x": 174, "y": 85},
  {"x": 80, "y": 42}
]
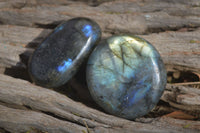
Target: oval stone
[
  {"x": 126, "y": 76},
  {"x": 59, "y": 56}
]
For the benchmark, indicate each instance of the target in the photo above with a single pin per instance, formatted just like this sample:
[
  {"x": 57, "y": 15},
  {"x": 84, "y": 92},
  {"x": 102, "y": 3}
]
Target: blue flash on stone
[
  {"x": 140, "y": 90},
  {"x": 58, "y": 58},
  {"x": 59, "y": 28},
  {"x": 65, "y": 65},
  {"x": 87, "y": 30},
  {"x": 136, "y": 95},
  {"x": 139, "y": 76}
]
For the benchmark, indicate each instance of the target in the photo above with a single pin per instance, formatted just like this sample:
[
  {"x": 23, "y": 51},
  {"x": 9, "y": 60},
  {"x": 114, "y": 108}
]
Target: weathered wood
[
  {"x": 179, "y": 50},
  {"x": 184, "y": 98},
  {"x": 49, "y": 109},
  {"x": 25, "y": 107},
  {"x": 16, "y": 120},
  {"x": 114, "y": 17},
  {"x": 30, "y": 3},
  {"x": 22, "y": 36}
]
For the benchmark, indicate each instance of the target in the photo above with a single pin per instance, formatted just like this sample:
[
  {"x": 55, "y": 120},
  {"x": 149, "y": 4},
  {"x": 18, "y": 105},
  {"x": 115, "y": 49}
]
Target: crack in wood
[{"x": 62, "y": 118}]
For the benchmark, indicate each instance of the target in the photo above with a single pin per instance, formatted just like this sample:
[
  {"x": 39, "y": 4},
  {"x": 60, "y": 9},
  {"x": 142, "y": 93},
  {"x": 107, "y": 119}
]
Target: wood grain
[
  {"x": 173, "y": 27},
  {"x": 46, "y": 109}
]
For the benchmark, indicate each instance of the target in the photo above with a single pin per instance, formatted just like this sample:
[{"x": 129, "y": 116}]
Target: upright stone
[{"x": 126, "y": 76}]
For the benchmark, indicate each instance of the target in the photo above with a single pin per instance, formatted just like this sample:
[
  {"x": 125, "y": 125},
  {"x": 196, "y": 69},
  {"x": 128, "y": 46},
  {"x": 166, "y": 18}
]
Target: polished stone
[
  {"x": 60, "y": 55},
  {"x": 126, "y": 76}
]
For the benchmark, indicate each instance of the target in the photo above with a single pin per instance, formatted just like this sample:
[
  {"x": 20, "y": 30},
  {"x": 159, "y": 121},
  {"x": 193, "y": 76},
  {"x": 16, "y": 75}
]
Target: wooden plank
[
  {"x": 179, "y": 50},
  {"x": 57, "y": 109},
  {"x": 130, "y": 16},
  {"x": 22, "y": 36},
  {"x": 16, "y": 120}
]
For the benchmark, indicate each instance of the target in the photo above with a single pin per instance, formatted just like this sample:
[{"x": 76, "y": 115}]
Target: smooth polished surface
[
  {"x": 59, "y": 56},
  {"x": 126, "y": 76}
]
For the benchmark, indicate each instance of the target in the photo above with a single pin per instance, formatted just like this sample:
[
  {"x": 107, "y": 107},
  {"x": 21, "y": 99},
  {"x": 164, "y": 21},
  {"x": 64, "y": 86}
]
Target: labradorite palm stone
[
  {"x": 60, "y": 55},
  {"x": 126, "y": 76}
]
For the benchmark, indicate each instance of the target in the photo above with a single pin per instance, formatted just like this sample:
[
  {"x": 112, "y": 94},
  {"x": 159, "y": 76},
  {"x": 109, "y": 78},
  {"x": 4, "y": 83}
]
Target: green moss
[
  {"x": 76, "y": 114},
  {"x": 186, "y": 126},
  {"x": 196, "y": 5},
  {"x": 84, "y": 131},
  {"x": 110, "y": 12},
  {"x": 192, "y": 41},
  {"x": 113, "y": 12}
]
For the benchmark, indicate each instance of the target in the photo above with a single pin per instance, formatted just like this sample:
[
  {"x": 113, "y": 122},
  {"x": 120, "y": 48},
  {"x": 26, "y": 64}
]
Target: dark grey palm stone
[
  {"x": 126, "y": 76},
  {"x": 59, "y": 56}
]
